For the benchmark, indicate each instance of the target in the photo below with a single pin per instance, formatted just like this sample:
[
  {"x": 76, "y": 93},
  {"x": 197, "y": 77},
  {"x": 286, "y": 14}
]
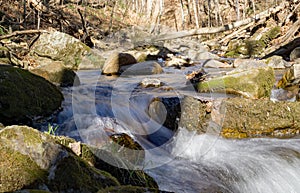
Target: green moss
[
  {"x": 24, "y": 95},
  {"x": 128, "y": 189},
  {"x": 247, "y": 84},
  {"x": 72, "y": 172},
  {"x": 18, "y": 170}
]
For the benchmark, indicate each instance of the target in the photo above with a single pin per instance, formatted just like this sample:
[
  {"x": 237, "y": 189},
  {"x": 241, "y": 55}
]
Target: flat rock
[{"x": 142, "y": 68}]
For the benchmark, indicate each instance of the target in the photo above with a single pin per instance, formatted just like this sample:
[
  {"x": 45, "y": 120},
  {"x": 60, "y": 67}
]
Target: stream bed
[{"x": 180, "y": 161}]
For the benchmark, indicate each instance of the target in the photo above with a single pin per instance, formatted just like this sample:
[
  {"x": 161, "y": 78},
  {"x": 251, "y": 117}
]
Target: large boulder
[
  {"x": 32, "y": 159},
  {"x": 24, "y": 96},
  {"x": 242, "y": 118},
  {"x": 250, "y": 83},
  {"x": 59, "y": 46}
]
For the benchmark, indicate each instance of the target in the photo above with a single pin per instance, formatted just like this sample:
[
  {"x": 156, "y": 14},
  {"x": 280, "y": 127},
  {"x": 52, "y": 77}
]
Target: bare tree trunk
[
  {"x": 237, "y": 6},
  {"x": 196, "y": 13},
  {"x": 182, "y": 14},
  {"x": 112, "y": 15}
]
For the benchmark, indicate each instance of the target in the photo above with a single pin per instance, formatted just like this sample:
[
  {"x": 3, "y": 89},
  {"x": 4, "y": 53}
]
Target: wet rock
[
  {"x": 277, "y": 62},
  {"x": 243, "y": 118},
  {"x": 24, "y": 96},
  {"x": 194, "y": 114},
  {"x": 39, "y": 161},
  {"x": 151, "y": 82},
  {"x": 165, "y": 111},
  {"x": 290, "y": 79},
  {"x": 250, "y": 83},
  {"x": 142, "y": 68},
  {"x": 59, "y": 46},
  {"x": 295, "y": 54},
  {"x": 290, "y": 82},
  {"x": 115, "y": 159},
  {"x": 116, "y": 61},
  {"x": 57, "y": 73}
]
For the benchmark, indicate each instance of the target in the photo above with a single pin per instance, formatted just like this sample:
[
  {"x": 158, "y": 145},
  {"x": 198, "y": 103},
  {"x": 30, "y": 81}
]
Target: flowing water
[{"x": 182, "y": 161}]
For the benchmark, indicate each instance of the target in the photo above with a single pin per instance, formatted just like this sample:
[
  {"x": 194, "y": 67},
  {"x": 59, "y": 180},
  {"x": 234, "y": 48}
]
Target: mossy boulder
[
  {"x": 59, "y": 46},
  {"x": 32, "y": 159},
  {"x": 242, "y": 118},
  {"x": 249, "y": 83},
  {"x": 254, "y": 46},
  {"x": 57, "y": 73},
  {"x": 24, "y": 96},
  {"x": 108, "y": 159}
]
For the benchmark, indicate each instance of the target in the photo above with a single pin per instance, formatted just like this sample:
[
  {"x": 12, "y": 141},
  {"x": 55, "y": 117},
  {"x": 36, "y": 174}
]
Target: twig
[{"x": 24, "y": 32}]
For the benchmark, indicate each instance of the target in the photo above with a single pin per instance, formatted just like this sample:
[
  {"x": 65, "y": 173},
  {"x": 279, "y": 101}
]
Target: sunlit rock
[
  {"x": 277, "y": 62},
  {"x": 249, "y": 83},
  {"x": 242, "y": 118},
  {"x": 33, "y": 159},
  {"x": 116, "y": 61},
  {"x": 59, "y": 46}
]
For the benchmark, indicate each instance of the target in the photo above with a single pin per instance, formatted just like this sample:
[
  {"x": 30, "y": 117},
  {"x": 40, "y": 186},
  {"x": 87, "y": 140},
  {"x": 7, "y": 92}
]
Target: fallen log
[{"x": 213, "y": 30}]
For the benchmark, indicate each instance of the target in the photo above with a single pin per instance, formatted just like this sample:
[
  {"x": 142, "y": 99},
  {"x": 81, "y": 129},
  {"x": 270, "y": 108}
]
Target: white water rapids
[{"x": 181, "y": 161}]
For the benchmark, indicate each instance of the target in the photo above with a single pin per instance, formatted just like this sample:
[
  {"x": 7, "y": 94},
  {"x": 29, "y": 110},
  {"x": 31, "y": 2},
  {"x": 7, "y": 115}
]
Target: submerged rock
[
  {"x": 33, "y": 159},
  {"x": 24, "y": 96},
  {"x": 151, "y": 82},
  {"x": 249, "y": 83},
  {"x": 242, "y": 118}
]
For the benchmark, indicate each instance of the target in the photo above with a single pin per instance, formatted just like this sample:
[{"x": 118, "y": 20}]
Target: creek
[{"x": 179, "y": 161}]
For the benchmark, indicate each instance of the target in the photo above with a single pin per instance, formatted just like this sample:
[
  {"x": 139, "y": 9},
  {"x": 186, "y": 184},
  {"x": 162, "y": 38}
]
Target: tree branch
[{"x": 24, "y": 32}]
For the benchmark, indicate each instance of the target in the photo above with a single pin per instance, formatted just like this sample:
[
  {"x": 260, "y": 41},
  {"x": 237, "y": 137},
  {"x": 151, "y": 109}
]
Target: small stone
[{"x": 151, "y": 82}]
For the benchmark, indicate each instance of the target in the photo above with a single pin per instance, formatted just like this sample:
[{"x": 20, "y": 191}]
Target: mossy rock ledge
[
  {"x": 242, "y": 118},
  {"x": 31, "y": 159},
  {"x": 24, "y": 96},
  {"x": 250, "y": 83}
]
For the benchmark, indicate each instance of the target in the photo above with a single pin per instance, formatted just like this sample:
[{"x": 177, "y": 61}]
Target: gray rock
[
  {"x": 295, "y": 54},
  {"x": 248, "y": 63},
  {"x": 215, "y": 64},
  {"x": 277, "y": 62},
  {"x": 59, "y": 46},
  {"x": 142, "y": 68}
]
